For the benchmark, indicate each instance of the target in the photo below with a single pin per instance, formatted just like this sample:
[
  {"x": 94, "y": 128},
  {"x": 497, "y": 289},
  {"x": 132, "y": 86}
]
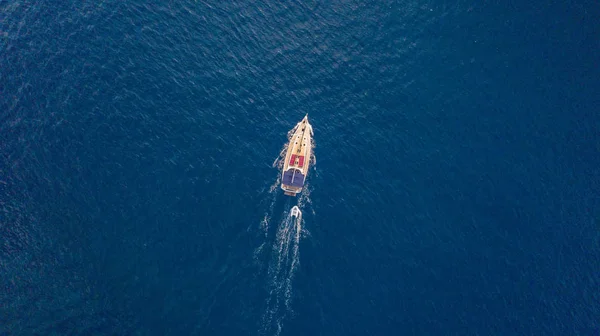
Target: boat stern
[
  {"x": 292, "y": 181},
  {"x": 289, "y": 193}
]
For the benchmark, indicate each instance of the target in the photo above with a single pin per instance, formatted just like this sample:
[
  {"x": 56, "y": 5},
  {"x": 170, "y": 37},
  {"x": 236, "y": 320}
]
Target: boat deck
[
  {"x": 297, "y": 158},
  {"x": 298, "y": 154}
]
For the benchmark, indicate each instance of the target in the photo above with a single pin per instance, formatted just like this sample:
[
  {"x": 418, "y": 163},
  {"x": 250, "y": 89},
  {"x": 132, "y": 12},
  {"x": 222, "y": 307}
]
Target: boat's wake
[{"x": 284, "y": 259}]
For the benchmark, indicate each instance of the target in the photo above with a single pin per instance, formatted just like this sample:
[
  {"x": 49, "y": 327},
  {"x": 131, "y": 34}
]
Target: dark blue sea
[{"x": 455, "y": 188}]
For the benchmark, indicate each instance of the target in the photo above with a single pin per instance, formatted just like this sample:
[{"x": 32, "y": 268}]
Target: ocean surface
[{"x": 455, "y": 188}]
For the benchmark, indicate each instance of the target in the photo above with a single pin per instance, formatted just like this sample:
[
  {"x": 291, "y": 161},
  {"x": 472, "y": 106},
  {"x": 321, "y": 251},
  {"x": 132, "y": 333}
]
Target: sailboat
[{"x": 297, "y": 158}]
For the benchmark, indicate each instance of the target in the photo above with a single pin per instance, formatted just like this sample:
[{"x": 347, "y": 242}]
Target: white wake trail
[{"x": 285, "y": 257}]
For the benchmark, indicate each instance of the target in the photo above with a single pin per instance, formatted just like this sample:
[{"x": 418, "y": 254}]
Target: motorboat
[{"x": 295, "y": 212}]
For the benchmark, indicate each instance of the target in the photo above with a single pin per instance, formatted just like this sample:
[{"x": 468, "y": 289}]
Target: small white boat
[
  {"x": 295, "y": 212},
  {"x": 297, "y": 158}
]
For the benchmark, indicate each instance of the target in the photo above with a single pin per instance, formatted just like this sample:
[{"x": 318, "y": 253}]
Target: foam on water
[
  {"x": 285, "y": 257},
  {"x": 283, "y": 260}
]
